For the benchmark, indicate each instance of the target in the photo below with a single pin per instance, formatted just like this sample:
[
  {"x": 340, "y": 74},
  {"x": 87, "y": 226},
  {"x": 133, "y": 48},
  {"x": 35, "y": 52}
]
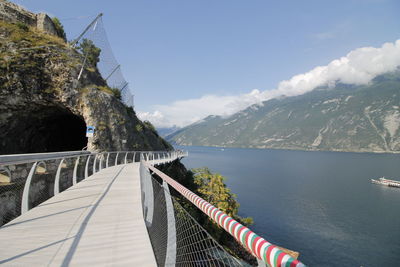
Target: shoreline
[{"x": 294, "y": 149}]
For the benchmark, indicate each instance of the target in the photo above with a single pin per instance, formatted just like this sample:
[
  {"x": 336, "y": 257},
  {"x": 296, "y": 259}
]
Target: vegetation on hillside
[{"x": 25, "y": 51}]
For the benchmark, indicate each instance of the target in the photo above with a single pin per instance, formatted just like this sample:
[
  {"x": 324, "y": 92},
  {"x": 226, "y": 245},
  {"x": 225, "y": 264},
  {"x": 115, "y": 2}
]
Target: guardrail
[
  {"x": 153, "y": 198},
  {"x": 26, "y": 180}
]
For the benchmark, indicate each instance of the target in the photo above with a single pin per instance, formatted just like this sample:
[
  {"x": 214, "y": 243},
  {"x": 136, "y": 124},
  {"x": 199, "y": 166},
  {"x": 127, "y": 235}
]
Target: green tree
[
  {"x": 90, "y": 51},
  {"x": 59, "y": 28},
  {"x": 213, "y": 189}
]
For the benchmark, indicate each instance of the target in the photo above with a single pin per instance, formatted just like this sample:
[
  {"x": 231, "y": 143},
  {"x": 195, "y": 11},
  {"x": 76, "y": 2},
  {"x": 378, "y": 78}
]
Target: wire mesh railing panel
[
  {"x": 129, "y": 157},
  {"x": 189, "y": 244},
  {"x": 121, "y": 158},
  {"x": 80, "y": 171},
  {"x": 111, "y": 159},
  {"x": 12, "y": 183},
  {"x": 104, "y": 162},
  {"x": 195, "y": 247},
  {"x": 66, "y": 173},
  {"x": 41, "y": 185},
  {"x": 89, "y": 167},
  {"x": 97, "y": 163}
]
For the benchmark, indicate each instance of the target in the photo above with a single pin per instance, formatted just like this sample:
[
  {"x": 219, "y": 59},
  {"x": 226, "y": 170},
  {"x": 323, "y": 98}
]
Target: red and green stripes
[{"x": 257, "y": 245}]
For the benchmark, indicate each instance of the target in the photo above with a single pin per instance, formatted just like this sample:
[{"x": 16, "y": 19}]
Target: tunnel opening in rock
[{"x": 43, "y": 129}]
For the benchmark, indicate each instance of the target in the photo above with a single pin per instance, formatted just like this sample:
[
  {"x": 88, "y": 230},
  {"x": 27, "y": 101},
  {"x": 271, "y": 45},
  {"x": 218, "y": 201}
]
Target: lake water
[{"x": 321, "y": 204}]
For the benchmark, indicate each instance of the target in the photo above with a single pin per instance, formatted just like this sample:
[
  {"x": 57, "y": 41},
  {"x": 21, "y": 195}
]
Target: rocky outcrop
[{"x": 43, "y": 107}]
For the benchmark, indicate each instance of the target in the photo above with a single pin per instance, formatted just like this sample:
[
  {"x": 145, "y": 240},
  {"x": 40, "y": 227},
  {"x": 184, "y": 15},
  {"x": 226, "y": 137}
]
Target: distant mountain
[
  {"x": 167, "y": 131},
  {"x": 362, "y": 118}
]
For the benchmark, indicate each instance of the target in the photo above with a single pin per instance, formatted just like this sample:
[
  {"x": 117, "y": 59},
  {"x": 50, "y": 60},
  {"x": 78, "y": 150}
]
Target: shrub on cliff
[
  {"x": 59, "y": 28},
  {"x": 90, "y": 51}
]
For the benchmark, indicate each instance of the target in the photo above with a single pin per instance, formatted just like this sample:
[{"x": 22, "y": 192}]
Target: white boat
[{"x": 387, "y": 182}]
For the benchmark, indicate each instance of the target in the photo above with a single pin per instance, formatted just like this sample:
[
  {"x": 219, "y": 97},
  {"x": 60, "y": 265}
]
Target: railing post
[
  {"x": 87, "y": 167},
  {"x": 147, "y": 196},
  {"x": 101, "y": 162},
  {"x": 74, "y": 179},
  {"x": 170, "y": 257},
  {"x": 133, "y": 159},
  {"x": 94, "y": 163},
  {"x": 108, "y": 155},
  {"x": 126, "y": 158},
  {"x": 116, "y": 159},
  {"x": 57, "y": 179},
  {"x": 25, "y": 194}
]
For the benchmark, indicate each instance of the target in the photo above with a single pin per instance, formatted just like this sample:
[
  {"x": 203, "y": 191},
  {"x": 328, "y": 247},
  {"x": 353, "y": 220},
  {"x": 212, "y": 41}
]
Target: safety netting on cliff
[{"x": 97, "y": 53}]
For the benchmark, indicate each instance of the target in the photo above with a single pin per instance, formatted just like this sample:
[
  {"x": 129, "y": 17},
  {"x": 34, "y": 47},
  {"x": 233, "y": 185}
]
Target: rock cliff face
[{"x": 43, "y": 107}]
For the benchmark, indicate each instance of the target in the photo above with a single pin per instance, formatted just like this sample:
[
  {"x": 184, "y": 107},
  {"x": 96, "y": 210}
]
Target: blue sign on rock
[{"x": 90, "y": 131}]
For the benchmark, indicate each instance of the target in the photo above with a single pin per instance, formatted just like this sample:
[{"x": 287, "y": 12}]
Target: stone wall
[
  {"x": 44, "y": 23},
  {"x": 13, "y": 13}
]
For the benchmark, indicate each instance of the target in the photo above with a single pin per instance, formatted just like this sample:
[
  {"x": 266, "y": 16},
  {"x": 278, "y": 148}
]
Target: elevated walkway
[{"x": 97, "y": 222}]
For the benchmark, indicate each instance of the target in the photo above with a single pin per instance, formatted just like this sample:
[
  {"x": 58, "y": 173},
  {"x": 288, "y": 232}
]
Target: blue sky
[{"x": 174, "y": 50}]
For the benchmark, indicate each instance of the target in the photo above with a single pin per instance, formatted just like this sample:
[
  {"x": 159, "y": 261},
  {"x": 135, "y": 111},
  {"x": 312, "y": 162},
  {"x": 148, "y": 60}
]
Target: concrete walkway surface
[{"x": 97, "y": 222}]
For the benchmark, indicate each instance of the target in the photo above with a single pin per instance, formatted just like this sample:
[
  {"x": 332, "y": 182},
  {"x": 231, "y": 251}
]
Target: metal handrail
[{"x": 13, "y": 159}]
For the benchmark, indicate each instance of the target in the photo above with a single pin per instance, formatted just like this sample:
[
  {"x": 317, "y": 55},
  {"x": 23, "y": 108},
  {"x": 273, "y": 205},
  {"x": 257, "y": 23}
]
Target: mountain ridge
[{"x": 356, "y": 118}]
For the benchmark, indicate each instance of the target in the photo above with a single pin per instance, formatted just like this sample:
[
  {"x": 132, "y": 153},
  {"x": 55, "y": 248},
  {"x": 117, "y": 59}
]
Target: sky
[{"x": 186, "y": 59}]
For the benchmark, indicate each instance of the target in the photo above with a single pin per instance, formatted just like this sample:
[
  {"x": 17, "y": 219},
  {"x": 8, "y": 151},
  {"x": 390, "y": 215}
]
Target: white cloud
[
  {"x": 359, "y": 66},
  {"x": 184, "y": 112}
]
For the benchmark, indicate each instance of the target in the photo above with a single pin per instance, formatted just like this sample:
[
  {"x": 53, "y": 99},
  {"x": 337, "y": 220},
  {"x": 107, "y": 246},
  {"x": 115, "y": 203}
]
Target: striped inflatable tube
[{"x": 257, "y": 245}]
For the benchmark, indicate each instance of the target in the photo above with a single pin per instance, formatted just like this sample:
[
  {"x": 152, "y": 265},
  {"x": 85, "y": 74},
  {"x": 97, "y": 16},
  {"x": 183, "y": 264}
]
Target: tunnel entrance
[{"x": 43, "y": 129}]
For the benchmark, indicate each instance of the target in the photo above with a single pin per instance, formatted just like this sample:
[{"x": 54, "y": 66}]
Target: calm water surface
[{"x": 321, "y": 204}]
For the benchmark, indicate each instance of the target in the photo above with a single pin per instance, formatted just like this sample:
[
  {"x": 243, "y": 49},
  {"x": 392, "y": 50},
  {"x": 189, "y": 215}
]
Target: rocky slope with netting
[{"x": 44, "y": 107}]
